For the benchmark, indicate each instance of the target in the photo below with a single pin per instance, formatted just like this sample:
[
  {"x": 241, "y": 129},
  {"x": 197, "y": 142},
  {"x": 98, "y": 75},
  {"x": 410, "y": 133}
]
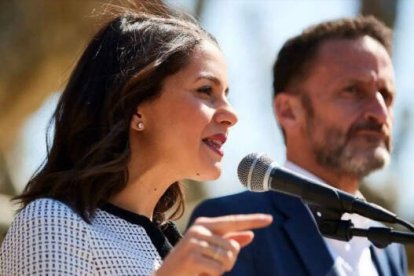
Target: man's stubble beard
[{"x": 334, "y": 150}]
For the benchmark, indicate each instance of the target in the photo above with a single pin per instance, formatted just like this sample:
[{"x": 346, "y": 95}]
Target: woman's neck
[{"x": 142, "y": 191}]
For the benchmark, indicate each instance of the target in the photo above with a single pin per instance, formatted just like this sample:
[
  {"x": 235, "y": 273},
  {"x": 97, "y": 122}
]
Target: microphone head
[{"x": 252, "y": 171}]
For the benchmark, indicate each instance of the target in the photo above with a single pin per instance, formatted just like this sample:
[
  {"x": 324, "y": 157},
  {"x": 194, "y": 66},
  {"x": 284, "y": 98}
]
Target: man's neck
[{"x": 347, "y": 183}]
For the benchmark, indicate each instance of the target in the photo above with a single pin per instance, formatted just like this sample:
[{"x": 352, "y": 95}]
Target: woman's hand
[{"x": 211, "y": 245}]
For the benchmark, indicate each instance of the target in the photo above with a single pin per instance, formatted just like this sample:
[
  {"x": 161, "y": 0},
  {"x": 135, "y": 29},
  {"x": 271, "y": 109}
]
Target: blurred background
[{"x": 41, "y": 40}]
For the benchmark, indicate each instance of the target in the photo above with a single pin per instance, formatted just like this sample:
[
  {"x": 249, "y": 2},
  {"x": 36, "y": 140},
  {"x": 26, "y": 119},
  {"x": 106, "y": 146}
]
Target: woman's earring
[{"x": 140, "y": 126}]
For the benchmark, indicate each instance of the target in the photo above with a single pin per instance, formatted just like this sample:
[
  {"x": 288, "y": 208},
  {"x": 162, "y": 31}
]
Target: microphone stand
[
  {"x": 332, "y": 226},
  {"x": 380, "y": 236}
]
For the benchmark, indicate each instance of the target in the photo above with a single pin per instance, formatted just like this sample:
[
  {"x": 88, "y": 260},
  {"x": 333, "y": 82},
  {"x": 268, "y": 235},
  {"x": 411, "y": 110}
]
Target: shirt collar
[{"x": 358, "y": 220}]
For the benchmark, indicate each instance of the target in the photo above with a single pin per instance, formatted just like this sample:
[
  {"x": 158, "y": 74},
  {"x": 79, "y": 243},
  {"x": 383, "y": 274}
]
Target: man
[{"x": 333, "y": 97}]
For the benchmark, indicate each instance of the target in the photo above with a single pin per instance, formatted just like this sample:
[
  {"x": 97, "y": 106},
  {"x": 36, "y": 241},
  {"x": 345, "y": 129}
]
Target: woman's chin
[{"x": 212, "y": 174}]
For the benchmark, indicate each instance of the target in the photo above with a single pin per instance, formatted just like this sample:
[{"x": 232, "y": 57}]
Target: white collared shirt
[{"x": 352, "y": 257}]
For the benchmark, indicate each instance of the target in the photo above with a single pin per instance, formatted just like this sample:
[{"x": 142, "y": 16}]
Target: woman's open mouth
[{"x": 215, "y": 143}]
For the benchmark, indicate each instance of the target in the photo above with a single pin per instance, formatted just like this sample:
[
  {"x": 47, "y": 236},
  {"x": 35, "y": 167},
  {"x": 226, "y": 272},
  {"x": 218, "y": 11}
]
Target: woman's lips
[{"x": 215, "y": 142}]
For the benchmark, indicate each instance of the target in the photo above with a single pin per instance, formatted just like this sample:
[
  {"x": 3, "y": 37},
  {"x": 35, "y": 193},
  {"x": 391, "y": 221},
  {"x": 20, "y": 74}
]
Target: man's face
[{"x": 348, "y": 99}]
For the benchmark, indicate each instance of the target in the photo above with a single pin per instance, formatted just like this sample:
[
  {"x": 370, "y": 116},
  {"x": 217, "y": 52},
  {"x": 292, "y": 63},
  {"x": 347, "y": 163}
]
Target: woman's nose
[{"x": 226, "y": 115}]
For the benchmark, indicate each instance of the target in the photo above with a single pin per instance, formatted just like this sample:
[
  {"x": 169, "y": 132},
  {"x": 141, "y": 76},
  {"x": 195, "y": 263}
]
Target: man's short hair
[{"x": 297, "y": 54}]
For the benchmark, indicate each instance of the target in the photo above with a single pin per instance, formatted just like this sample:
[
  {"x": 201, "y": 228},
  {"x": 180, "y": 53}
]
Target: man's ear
[{"x": 288, "y": 109}]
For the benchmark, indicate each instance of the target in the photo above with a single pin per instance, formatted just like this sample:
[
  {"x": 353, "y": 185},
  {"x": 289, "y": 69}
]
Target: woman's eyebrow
[{"x": 213, "y": 79}]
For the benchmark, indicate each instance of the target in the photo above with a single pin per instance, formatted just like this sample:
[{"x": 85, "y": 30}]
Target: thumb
[{"x": 243, "y": 238}]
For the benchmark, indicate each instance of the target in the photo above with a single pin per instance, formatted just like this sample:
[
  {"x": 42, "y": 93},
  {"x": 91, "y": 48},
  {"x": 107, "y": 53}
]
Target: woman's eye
[{"x": 208, "y": 90}]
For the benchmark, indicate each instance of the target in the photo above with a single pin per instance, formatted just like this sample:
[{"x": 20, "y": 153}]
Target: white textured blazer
[{"x": 48, "y": 238}]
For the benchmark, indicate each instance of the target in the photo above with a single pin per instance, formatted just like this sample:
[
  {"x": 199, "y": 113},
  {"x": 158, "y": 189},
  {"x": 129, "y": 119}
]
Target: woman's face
[{"x": 186, "y": 127}]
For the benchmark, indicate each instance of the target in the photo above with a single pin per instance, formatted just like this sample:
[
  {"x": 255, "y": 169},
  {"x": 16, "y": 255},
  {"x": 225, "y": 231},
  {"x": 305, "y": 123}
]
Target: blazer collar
[
  {"x": 379, "y": 258},
  {"x": 309, "y": 243},
  {"x": 300, "y": 227}
]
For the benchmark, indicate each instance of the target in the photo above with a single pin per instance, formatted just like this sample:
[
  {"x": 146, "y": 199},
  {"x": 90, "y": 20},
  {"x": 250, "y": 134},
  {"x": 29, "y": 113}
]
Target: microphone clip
[{"x": 331, "y": 225}]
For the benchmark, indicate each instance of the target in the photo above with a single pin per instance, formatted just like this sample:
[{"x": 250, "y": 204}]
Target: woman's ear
[{"x": 137, "y": 122}]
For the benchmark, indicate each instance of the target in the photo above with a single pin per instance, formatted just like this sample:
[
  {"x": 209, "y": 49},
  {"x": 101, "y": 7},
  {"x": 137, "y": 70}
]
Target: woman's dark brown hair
[{"x": 124, "y": 65}]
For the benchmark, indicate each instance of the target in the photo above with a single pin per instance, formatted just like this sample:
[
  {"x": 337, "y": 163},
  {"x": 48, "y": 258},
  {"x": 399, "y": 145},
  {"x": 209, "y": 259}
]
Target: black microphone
[{"x": 258, "y": 173}]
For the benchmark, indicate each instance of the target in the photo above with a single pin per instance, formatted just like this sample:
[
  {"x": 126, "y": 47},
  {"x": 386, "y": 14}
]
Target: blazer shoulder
[
  {"x": 243, "y": 201},
  {"x": 47, "y": 209},
  {"x": 46, "y": 234},
  {"x": 271, "y": 202}
]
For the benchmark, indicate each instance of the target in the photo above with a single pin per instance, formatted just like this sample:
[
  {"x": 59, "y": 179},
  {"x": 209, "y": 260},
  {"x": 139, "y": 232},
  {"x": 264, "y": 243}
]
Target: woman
[{"x": 145, "y": 107}]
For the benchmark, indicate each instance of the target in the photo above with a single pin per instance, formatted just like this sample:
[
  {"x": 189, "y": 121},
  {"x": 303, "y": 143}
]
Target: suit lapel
[
  {"x": 304, "y": 235},
  {"x": 380, "y": 260}
]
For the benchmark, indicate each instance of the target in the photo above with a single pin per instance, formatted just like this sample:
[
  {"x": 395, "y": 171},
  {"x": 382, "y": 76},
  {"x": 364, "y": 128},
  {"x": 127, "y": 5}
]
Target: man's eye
[
  {"x": 386, "y": 95},
  {"x": 351, "y": 89},
  {"x": 208, "y": 90}
]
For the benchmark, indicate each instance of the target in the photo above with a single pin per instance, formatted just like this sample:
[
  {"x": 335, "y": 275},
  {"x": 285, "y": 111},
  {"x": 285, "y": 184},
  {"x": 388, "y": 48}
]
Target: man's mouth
[
  {"x": 215, "y": 143},
  {"x": 374, "y": 138},
  {"x": 370, "y": 129},
  {"x": 373, "y": 134}
]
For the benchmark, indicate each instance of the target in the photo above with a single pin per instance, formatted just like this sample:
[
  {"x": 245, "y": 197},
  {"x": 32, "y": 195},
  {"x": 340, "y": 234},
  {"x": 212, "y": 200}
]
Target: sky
[{"x": 250, "y": 34}]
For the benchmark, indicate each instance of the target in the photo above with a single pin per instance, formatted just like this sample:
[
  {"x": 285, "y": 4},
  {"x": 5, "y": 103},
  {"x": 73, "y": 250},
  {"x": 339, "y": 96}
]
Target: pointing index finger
[{"x": 224, "y": 224}]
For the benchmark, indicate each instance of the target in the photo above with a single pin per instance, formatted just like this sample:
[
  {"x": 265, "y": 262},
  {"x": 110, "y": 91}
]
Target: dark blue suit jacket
[{"x": 292, "y": 245}]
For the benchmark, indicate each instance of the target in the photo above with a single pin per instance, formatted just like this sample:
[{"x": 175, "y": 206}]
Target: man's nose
[{"x": 378, "y": 110}]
